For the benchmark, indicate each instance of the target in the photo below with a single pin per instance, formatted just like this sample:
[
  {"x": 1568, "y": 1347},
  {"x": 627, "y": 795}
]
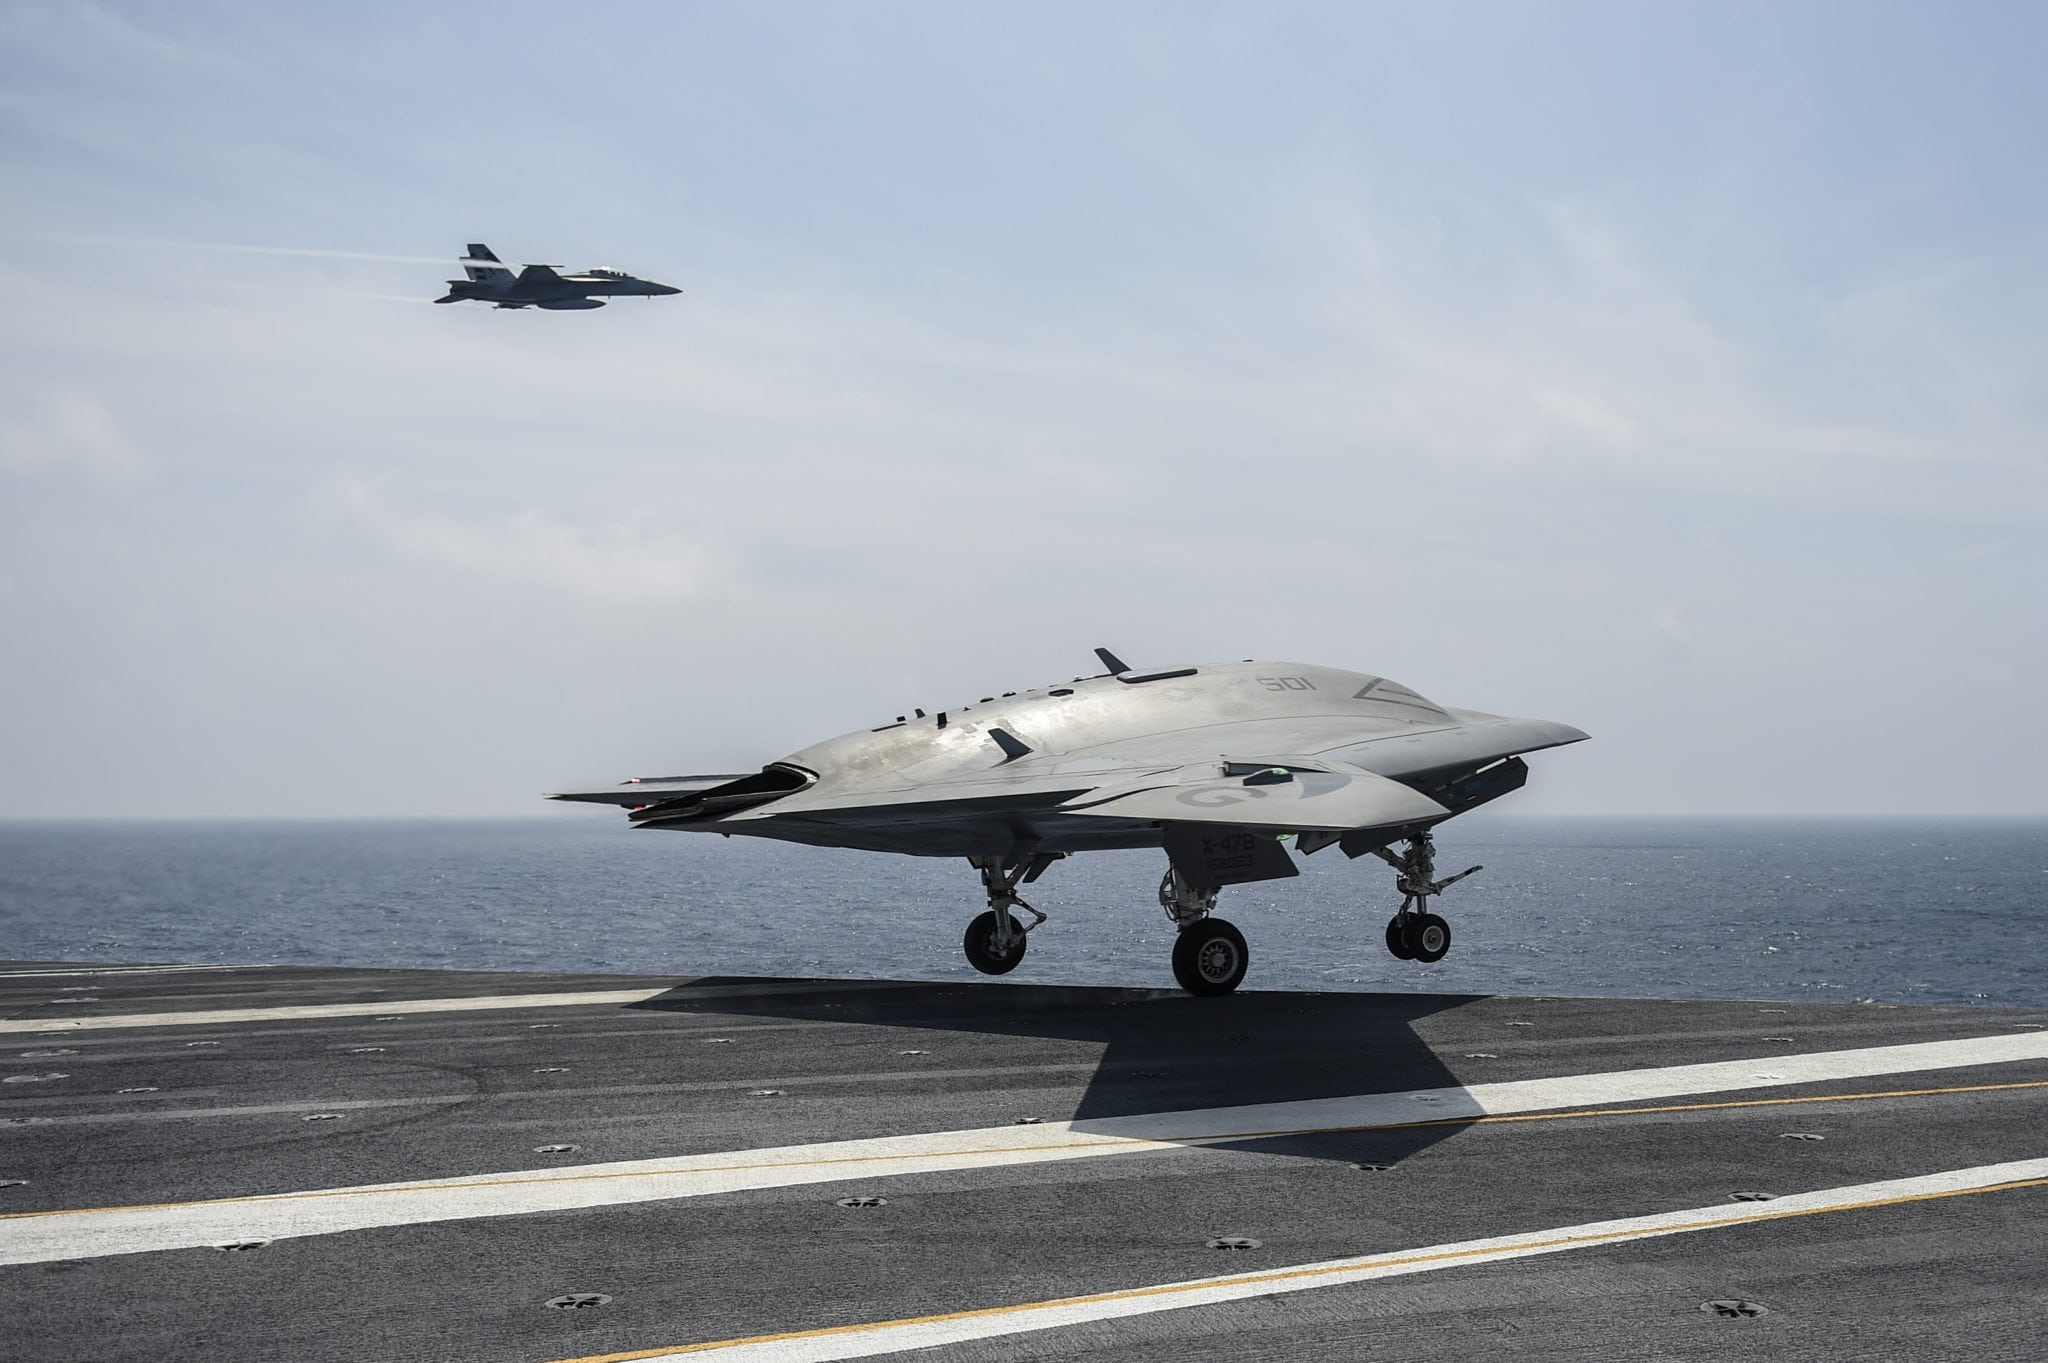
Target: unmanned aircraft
[
  {"x": 542, "y": 286},
  {"x": 1219, "y": 765}
]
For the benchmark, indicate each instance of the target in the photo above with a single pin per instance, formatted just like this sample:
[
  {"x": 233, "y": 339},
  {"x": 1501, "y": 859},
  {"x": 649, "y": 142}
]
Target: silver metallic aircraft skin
[
  {"x": 543, "y": 286},
  {"x": 1220, "y": 765}
]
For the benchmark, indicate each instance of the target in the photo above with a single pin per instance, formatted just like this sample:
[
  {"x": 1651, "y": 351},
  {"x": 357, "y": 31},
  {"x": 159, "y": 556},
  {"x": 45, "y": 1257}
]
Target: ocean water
[{"x": 1891, "y": 911}]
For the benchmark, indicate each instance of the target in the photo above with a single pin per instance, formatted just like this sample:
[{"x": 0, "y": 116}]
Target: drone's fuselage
[
  {"x": 1219, "y": 765},
  {"x": 1110, "y": 761}
]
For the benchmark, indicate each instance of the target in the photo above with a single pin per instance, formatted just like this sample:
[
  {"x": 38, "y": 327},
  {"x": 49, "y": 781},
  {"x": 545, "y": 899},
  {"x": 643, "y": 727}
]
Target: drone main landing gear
[
  {"x": 1209, "y": 955},
  {"x": 995, "y": 940},
  {"x": 1413, "y": 933}
]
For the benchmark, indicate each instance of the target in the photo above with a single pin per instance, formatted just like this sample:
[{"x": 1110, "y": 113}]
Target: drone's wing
[
  {"x": 1220, "y": 825},
  {"x": 1280, "y": 799},
  {"x": 644, "y": 790}
]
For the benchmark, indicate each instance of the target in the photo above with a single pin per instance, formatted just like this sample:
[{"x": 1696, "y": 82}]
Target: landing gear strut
[
  {"x": 995, "y": 940},
  {"x": 1209, "y": 955},
  {"x": 1415, "y": 934}
]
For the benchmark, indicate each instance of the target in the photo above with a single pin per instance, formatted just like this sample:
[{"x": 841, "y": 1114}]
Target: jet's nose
[{"x": 663, "y": 290}]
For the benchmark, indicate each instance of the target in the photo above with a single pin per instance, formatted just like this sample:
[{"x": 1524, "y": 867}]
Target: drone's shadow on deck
[{"x": 1160, "y": 1051}]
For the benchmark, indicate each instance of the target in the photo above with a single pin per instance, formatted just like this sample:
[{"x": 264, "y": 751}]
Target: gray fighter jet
[
  {"x": 1219, "y": 765},
  {"x": 543, "y": 286}
]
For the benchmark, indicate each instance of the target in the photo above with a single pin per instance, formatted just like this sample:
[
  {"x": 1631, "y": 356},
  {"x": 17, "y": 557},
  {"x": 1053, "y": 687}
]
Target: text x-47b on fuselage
[{"x": 1222, "y": 766}]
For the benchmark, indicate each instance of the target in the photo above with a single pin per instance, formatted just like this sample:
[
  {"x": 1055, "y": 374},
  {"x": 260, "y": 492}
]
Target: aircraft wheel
[
  {"x": 1209, "y": 957},
  {"x": 980, "y": 945},
  {"x": 1427, "y": 937},
  {"x": 1397, "y": 941}
]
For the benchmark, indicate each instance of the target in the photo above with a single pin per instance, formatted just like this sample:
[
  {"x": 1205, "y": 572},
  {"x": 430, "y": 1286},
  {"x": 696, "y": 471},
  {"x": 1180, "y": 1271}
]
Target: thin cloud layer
[
  {"x": 1175, "y": 336},
  {"x": 69, "y": 432},
  {"x": 625, "y": 560}
]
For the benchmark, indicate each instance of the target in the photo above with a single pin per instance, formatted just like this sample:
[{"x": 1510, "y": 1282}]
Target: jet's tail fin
[{"x": 482, "y": 267}]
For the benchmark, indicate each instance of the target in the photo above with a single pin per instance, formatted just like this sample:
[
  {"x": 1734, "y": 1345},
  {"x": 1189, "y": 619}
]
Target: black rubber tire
[
  {"x": 980, "y": 945},
  {"x": 1427, "y": 938},
  {"x": 1396, "y": 941},
  {"x": 1209, "y": 957}
]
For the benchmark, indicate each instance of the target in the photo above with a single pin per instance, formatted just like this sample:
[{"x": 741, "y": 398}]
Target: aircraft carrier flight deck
[{"x": 333, "y": 1164}]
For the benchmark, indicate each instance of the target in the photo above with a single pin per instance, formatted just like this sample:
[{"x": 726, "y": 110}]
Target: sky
[{"x": 1675, "y": 371}]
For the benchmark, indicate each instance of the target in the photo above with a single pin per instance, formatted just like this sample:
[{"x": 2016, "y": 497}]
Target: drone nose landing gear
[
  {"x": 1414, "y": 933},
  {"x": 995, "y": 940}
]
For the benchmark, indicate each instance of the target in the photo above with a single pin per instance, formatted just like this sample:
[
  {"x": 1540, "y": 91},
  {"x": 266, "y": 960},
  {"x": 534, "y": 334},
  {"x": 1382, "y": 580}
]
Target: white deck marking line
[
  {"x": 994, "y": 1073},
  {"x": 865, "y": 1340},
  {"x": 173, "y": 1114},
  {"x": 386, "y": 1008},
  {"x": 37, "y": 1237},
  {"x": 117, "y": 970}
]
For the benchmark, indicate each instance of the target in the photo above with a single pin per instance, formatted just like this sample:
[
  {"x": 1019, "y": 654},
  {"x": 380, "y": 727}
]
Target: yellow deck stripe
[{"x": 1300, "y": 1274}]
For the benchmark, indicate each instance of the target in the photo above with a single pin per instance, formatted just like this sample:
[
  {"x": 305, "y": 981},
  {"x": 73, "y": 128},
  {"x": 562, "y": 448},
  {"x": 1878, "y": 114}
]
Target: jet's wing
[
  {"x": 1277, "y": 798},
  {"x": 646, "y": 790},
  {"x": 537, "y": 276}
]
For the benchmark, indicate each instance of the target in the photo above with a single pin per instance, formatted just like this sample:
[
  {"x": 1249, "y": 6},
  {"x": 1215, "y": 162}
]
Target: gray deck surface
[{"x": 451, "y": 1094}]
